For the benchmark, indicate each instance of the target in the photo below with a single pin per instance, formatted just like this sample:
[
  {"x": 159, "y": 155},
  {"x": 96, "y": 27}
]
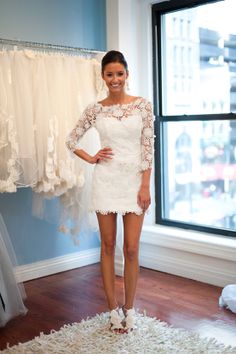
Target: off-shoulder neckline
[{"x": 120, "y": 104}]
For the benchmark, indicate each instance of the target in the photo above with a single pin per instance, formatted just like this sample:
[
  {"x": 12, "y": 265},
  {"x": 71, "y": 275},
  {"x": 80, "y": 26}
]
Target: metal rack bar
[{"x": 16, "y": 42}]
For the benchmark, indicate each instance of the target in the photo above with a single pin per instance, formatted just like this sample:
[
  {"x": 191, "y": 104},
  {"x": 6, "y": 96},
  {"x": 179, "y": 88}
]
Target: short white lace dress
[{"x": 128, "y": 130}]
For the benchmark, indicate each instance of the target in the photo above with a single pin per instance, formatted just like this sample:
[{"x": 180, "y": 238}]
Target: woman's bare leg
[
  {"x": 107, "y": 226},
  {"x": 132, "y": 230}
]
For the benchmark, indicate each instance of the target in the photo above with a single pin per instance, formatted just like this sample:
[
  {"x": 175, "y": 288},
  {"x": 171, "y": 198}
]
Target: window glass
[
  {"x": 199, "y": 60},
  {"x": 200, "y": 172}
]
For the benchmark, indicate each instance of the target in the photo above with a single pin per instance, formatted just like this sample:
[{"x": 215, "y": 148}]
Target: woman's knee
[
  {"x": 131, "y": 252},
  {"x": 108, "y": 247}
]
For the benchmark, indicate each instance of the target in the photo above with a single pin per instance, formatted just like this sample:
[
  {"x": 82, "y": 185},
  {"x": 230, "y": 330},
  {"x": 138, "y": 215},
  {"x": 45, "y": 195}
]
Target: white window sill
[{"x": 190, "y": 241}]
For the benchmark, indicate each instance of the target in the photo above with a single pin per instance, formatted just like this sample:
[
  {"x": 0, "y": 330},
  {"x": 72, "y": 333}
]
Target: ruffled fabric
[
  {"x": 9, "y": 147},
  {"x": 11, "y": 293},
  {"x": 42, "y": 94}
]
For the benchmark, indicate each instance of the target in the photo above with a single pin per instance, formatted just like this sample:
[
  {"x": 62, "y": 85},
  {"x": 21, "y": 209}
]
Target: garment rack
[{"x": 20, "y": 43}]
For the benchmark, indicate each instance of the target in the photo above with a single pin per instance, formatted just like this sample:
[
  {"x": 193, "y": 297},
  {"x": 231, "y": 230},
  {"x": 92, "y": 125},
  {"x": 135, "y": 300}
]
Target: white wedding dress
[
  {"x": 11, "y": 293},
  {"x": 128, "y": 130},
  {"x": 42, "y": 94}
]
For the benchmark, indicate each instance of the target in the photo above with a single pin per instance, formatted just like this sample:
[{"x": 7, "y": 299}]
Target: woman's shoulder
[
  {"x": 90, "y": 111},
  {"x": 92, "y": 107},
  {"x": 130, "y": 100},
  {"x": 145, "y": 100},
  {"x": 144, "y": 103}
]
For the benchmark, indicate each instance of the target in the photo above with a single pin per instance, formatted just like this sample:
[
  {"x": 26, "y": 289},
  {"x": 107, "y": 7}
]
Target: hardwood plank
[{"x": 70, "y": 296}]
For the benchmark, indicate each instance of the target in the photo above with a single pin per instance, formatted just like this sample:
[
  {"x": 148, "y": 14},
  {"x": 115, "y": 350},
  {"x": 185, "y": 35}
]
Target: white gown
[
  {"x": 11, "y": 293},
  {"x": 128, "y": 130}
]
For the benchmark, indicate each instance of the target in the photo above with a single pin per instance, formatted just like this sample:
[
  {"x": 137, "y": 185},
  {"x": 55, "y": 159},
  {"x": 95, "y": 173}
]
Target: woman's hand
[
  {"x": 144, "y": 198},
  {"x": 102, "y": 155}
]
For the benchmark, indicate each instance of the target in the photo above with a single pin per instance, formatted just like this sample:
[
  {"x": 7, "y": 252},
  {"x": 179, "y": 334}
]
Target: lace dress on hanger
[
  {"x": 11, "y": 293},
  {"x": 128, "y": 130}
]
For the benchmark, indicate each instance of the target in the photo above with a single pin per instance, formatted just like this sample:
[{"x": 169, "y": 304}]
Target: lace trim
[
  {"x": 122, "y": 212},
  {"x": 135, "y": 101},
  {"x": 121, "y": 110}
]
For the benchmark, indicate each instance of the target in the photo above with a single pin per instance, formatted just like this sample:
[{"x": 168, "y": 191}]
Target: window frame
[{"x": 157, "y": 11}]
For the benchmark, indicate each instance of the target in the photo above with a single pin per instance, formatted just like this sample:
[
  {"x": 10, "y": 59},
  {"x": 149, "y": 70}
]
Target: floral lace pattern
[
  {"x": 128, "y": 130},
  {"x": 147, "y": 138},
  {"x": 140, "y": 106},
  {"x": 84, "y": 123}
]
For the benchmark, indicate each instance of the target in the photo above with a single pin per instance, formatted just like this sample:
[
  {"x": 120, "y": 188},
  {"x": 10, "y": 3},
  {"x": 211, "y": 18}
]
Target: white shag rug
[{"x": 92, "y": 336}]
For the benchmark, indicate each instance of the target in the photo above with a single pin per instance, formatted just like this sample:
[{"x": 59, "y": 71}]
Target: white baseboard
[
  {"x": 57, "y": 264},
  {"x": 188, "y": 268},
  {"x": 154, "y": 254},
  {"x": 212, "y": 262}
]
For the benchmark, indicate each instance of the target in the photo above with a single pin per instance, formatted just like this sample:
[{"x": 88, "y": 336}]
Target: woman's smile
[{"x": 115, "y": 76}]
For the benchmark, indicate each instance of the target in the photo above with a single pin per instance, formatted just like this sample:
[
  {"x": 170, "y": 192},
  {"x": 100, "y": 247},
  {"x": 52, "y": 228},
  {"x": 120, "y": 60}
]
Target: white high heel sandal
[
  {"x": 129, "y": 319},
  {"x": 116, "y": 325}
]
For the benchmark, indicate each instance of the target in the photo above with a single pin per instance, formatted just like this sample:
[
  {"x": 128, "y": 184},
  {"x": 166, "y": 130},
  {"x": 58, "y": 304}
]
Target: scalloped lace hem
[{"x": 122, "y": 212}]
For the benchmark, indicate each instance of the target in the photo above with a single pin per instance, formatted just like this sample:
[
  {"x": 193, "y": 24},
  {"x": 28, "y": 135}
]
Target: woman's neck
[{"x": 117, "y": 98}]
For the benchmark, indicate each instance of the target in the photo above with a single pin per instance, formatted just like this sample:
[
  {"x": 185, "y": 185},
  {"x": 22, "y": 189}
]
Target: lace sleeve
[
  {"x": 147, "y": 137},
  {"x": 84, "y": 123}
]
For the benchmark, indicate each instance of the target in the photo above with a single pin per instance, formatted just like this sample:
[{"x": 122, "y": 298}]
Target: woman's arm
[
  {"x": 103, "y": 154},
  {"x": 147, "y": 142},
  {"x": 144, "y": 196},
  {"x": 84, "y": 123},
  {"x": 146, "y": 178}
]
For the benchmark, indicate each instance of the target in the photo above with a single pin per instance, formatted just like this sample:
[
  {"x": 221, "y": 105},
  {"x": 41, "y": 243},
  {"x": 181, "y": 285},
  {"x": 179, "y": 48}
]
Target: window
[{"x": 194, "y": 46}]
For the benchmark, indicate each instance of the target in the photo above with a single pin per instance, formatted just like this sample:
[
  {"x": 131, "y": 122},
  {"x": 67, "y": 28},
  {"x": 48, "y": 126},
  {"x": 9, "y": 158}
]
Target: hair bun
[{"x": 114, "y": 56}]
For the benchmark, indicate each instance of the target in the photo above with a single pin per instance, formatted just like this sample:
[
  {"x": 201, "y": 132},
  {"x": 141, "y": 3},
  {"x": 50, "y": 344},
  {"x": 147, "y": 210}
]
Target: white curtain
[{"x": 42, "y": 95}]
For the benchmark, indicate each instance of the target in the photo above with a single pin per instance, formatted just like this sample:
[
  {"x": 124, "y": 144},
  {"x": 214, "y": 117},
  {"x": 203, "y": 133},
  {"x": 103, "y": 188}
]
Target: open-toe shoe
[
  {"x": 129, "y": 322},
  {"x": 116, "y": 325}
]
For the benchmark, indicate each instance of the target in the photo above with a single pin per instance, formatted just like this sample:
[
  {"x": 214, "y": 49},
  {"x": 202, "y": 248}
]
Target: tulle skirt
[
  {"x": 11, "y": 293},
  {"x": 42, "y": 95}
]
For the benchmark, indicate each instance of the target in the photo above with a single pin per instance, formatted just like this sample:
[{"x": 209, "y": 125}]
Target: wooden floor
[{"x": 70, "y": 296}]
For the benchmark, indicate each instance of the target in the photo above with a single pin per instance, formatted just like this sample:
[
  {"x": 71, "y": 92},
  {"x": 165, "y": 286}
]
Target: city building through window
[{"x": 194, "y": 48}]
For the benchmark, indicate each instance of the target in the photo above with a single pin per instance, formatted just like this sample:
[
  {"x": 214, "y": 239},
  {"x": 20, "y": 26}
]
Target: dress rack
[{"x": 37, "y": 45}]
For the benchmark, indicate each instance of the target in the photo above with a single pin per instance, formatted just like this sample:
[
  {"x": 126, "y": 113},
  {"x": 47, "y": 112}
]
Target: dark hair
[{"x": 113, "y": 56}]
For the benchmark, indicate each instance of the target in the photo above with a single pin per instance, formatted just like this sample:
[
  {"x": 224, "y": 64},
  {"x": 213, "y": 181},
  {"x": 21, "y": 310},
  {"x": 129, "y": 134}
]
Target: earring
[{"x": 127, "y": 88}]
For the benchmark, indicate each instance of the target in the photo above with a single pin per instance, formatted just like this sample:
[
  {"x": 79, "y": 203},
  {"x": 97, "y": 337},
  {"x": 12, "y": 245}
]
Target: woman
[{"x": 121, "y": 180}]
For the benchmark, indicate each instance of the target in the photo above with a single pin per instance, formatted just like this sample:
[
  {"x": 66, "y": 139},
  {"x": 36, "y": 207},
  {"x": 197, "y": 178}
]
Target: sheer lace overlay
[
  {"x": 119, "y": 111},
  {"x": 84, "y": 123},
  {"x": 128, "y": 130}
]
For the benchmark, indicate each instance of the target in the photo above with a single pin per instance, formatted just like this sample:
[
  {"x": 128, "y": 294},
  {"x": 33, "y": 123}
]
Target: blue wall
[
  {"x": 35, "y": 239},
  {"x": 78, "y": 23}
]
